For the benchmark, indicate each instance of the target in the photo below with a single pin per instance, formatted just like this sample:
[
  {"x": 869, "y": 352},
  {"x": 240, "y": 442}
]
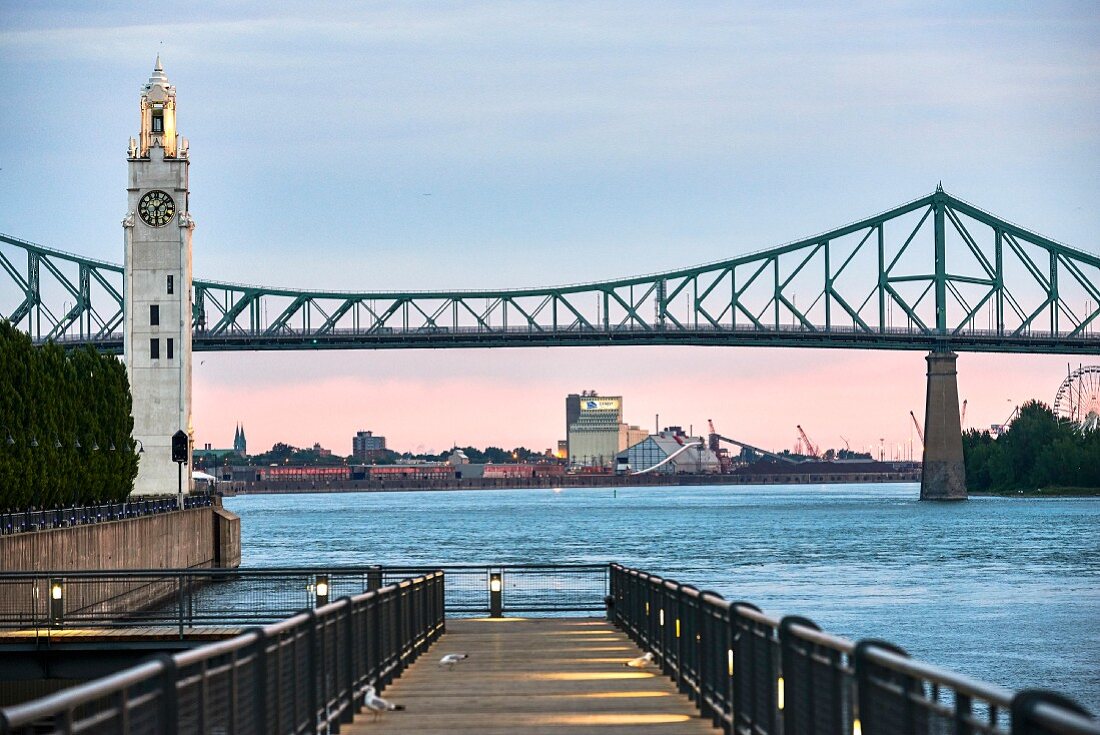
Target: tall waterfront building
[
  {"x": 157, "y": 284},
  {"x": 597, "y": 433}
]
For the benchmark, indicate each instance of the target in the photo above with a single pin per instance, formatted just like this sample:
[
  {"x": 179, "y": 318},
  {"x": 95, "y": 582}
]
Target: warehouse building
[{"x": 690, "y": 454}]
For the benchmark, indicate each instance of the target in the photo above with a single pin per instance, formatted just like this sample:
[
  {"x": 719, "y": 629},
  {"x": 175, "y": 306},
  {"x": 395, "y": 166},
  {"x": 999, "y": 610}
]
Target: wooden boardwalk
[
  {"x": 116, "y": 635},
  {"x": 552, "y": 676}
]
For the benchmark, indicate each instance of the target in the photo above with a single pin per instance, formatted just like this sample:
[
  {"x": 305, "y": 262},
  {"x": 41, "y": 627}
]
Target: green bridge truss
[{"x": 935, "y": 273}]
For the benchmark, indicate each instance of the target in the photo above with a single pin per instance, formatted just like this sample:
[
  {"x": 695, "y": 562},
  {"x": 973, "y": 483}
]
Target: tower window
[
  {"x": 171, "y": 284},
  {"x": 170, "y": 350},
  {"x": 154, "y": 315},
  {"x": 154, "y": 349},
  {"x": 158, "y": 122}
]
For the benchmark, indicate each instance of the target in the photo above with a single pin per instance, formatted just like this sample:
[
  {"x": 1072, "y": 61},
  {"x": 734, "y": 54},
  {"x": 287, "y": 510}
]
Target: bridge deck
[{"x": 552, "y": 676}]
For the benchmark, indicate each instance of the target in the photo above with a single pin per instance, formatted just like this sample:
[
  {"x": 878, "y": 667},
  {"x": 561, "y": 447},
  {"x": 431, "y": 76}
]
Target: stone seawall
[{"x": 195, "y": 538}]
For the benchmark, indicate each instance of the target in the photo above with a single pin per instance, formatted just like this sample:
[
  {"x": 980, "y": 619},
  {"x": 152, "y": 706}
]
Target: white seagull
[
  {"x": 451, "y": 659},
  {"x": 641, "y": 662},
  {"x": 377, "y": 705}
]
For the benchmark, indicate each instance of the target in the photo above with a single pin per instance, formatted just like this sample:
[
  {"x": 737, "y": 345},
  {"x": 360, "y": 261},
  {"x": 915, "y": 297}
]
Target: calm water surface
[{"x": 1004, "y": 589}]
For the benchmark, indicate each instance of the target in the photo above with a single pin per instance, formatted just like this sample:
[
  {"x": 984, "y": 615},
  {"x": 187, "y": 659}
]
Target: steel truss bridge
[{"x": 935, "y": 273}]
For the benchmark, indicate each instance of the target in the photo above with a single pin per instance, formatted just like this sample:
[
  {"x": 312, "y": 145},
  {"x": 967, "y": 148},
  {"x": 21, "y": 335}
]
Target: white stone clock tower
[{"x": 157, "y": 231}]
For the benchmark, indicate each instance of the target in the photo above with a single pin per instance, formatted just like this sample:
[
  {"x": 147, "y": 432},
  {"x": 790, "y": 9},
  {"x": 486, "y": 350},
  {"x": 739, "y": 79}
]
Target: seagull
[
  {"x": 641, "y": 662},
  {"x": 377, "y": 705},
  {"x": 451, "y": 659}
]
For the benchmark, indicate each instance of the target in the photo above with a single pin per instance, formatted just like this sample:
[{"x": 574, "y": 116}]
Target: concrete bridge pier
[{"x": 944, "y": 476}]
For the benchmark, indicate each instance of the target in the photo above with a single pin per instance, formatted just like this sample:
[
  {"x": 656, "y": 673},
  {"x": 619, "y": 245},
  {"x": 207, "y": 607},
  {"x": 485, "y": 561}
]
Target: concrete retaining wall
[{"x": 195, "y": 538}]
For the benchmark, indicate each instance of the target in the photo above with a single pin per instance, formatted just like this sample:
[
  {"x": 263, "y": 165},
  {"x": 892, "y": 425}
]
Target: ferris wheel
[{"x": 1078, "y": 398}]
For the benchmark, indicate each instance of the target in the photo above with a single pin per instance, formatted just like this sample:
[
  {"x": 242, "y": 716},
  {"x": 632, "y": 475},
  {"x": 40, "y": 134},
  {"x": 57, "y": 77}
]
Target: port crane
[
  {"x": 920, "y": 431},
  {"x": 811, "y": 448}
]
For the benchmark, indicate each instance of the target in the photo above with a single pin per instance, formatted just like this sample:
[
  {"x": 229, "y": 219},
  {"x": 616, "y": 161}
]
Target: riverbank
[
  {"x": 782, "y": 477},
  {"x": 1043, "y": 492}
]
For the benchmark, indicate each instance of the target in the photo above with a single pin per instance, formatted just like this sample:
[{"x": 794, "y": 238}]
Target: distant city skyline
[{"x": 503, "y": 145}]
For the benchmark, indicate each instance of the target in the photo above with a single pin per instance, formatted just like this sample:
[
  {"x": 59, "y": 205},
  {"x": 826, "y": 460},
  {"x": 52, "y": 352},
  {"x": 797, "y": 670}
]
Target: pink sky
[{"x": 430, "y": 399}]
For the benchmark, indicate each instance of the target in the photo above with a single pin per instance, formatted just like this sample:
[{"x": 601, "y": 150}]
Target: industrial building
[
  {"x": 595, "y": 431},
  {"x": 689, "y": 454}
]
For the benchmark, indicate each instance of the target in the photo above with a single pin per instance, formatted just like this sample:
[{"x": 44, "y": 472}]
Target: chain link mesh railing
[
  {"x": 754, "y": 674},
  {"x": 306, "y": 674}
]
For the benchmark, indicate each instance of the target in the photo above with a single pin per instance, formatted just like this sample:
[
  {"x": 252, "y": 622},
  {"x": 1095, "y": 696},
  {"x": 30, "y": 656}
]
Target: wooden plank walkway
[
  {"x": 540, "y": 676},
  {"x": 116, "y": 635}
]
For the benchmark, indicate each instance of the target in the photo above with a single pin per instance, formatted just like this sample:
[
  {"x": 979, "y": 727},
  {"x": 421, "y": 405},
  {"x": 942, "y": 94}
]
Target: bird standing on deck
[
  {"x": 641, "y": 662},
  {"x": 451, "y": 659},
  {"x": 377, "y": 705}
]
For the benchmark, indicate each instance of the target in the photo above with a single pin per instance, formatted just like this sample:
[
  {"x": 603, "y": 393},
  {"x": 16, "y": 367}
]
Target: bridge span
[{"x": 932, "y": 274}]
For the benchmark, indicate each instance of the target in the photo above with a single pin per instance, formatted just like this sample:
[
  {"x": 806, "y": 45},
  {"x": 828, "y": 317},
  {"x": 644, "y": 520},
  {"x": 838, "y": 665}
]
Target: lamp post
[{"x": 179, "y": 456}]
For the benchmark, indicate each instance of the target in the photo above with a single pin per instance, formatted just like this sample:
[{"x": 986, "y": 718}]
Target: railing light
[
  {"x": 57, "y": 602},
  {"x": 647, "y": 608},
  {"x": 677, "y": 627},
  {"x": 661, "y": 616},
  {"x": 857, "y": 729},
  {"x": 496, "y": 597},
  {"x": 729, "y": 659},
  {"x": 321, "y": 590},
  {"x": 779, "y": 693}
]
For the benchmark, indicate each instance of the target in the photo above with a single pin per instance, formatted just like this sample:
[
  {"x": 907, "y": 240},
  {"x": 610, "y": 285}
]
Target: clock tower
[{"x": 157, "y": 233}]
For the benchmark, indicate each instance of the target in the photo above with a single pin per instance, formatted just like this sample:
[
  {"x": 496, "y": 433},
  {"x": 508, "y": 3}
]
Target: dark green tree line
[
  {"x": 1038, "y": 450},
  {"x": 65, "y": 426}
]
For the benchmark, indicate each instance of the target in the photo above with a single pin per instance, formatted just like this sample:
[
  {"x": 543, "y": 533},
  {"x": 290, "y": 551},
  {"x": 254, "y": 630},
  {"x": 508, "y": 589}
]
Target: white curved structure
[{"x": 669, "y": 458}]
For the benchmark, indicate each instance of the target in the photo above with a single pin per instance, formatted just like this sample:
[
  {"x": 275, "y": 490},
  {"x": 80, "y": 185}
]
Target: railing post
[
  {"x": 179, "y": 599},
  {"x": 1024, "y": 705},
  {"x": 260, "y": 704},
  {"x": 312, "y": 671},
  {"x": 876, "y": 714},
  {"x": 797, "y": 669},
  {"x": 349, "y": 661},
  {"x": 170, "y": 713},
  {"x": 374, "y": 578}
]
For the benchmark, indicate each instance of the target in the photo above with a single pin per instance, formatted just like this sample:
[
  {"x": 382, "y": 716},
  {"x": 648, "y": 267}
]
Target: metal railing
[
  {"x": 189, "y": 598},
  {"x": 305, "y": 674},
  {"x": 25, "y": 521},
  {"x": 754, "y": 674}
]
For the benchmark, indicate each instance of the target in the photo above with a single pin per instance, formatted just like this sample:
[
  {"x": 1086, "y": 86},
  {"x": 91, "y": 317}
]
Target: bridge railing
[
  {"x": 305, "y": 674},
  {"x": 754, "y": 673},
  {"x": 25, "y": 521},
  {"x": 188, "y": 598}
]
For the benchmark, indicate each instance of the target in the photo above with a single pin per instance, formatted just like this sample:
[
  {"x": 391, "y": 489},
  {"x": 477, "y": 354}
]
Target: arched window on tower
[{"x": 158, "y": 121}]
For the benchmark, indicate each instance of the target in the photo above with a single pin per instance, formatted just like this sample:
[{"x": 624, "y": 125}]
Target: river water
[{"x": 1003, "y": 589}]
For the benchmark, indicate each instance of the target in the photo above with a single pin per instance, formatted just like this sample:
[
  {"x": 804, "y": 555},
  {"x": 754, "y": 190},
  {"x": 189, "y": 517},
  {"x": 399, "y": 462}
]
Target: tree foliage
[
  {"x": 65, "y": 426},
  {"x": 1038, "y": 450}
]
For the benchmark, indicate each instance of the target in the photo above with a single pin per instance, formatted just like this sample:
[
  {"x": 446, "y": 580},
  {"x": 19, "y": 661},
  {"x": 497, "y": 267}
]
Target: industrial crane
[
  {"x": 811, "y": 448},
  {"x": 916, "y": 423}
]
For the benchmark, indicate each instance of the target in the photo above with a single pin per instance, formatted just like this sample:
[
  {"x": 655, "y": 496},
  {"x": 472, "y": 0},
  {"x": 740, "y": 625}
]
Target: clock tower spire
[{"x": 157, "y": 236}]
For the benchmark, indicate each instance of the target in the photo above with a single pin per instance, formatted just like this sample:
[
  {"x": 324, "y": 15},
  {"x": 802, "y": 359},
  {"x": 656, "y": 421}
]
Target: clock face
[{"x": 156, "y": 208}]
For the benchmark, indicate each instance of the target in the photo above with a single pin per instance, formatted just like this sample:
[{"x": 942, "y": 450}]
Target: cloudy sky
[{"x": 499, "y": 144}]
